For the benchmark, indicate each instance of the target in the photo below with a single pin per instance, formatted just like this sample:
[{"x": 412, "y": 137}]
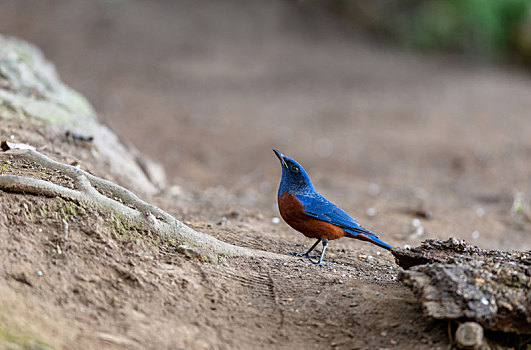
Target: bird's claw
[
  {"x": 299, "y": 254},
  {"x": 318, "y": 263}
]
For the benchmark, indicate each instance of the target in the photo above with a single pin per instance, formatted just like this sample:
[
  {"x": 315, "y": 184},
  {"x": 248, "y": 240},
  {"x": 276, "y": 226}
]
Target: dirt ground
[{"x": 209, "y": 90}]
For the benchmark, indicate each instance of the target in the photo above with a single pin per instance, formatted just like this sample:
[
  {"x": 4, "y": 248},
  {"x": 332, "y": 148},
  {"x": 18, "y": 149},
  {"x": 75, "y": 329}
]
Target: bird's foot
[
  {"x": 299, "y": 254},
  {"x": 319, "y": 263},
  {"x": 306, "y": 255}
]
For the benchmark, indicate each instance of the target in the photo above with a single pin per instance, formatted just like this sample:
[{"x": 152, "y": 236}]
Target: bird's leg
[
  {"x": 320, "y": 262},
  {"x": 307, "y": 254}
]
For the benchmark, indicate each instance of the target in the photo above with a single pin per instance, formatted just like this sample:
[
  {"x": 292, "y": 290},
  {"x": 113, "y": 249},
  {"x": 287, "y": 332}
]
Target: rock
[
  {"x": 31, "y": 89},
  {"x": 455, "y": 280},
  {"x": 469, "y": 336}
]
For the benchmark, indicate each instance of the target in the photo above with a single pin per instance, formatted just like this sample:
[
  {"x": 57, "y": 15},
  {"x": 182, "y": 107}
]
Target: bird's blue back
[
  {"x": 316, "y": 206},
  {"x": 320, "y": 208}
]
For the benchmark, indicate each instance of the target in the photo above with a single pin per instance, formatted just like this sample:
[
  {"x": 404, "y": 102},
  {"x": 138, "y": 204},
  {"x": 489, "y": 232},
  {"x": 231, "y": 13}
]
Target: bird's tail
[{"x": 370, "y": 237}]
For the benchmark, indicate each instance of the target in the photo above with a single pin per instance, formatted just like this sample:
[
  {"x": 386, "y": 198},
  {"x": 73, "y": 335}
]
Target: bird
[{"x": 307, "y": 211}]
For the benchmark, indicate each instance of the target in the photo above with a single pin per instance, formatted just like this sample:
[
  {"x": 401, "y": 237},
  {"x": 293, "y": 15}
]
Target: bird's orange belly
[{"x": 292, "y": 211}]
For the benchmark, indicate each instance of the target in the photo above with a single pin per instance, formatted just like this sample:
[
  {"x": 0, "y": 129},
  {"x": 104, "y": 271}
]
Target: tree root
[{"x": 92, "y": 191}]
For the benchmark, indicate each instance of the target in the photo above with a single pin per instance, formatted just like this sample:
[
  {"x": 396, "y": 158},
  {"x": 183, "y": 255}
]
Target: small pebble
[
  {"x": 12, "y": 137},
  {"x": 371, "y": 211},
  {"x": 223, "y": 221},
  {"x": 407, "y": 246},
  {"x": 475, "y": 234},
  {"x": 39, "y": 273},
  {"x": 275, "y": 220},
  {"x": 469, "y": 335},
  {"x": 415, "y": 222},
  {"x": 480, "y": 212}
]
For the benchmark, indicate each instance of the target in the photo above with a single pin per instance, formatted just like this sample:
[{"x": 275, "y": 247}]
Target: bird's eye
[{"x": 295, "y": 168}]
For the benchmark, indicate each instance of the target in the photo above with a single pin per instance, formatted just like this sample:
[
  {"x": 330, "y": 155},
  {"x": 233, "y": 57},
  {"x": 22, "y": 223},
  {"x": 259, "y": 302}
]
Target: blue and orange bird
[{"x": 308, "y": 212}]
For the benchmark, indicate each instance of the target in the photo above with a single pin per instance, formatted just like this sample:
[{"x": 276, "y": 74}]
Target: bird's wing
[{"x": 320, "y": 208}]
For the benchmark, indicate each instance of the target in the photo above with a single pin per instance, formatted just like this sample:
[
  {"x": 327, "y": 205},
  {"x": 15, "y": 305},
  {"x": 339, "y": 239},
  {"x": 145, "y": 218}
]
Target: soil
[{"x": 209, "y": 90}]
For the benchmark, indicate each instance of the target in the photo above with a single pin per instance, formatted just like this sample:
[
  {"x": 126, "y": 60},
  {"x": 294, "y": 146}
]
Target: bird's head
[{"x": 294, "y": 178}]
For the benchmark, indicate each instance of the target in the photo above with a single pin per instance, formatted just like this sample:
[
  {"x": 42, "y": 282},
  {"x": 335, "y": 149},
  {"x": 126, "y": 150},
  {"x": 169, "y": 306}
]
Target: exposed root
[{"x": 92, "y": 191}]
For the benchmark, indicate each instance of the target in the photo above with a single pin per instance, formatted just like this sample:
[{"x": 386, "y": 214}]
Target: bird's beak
[{"x": 281, "y": 157}]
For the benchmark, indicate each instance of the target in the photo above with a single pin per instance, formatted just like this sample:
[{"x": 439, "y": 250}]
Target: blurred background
[{"x": 407, "y": 114}]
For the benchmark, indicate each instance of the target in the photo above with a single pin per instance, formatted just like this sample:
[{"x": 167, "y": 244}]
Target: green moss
[
  {"x": 172, "y": 242},
  {"x": 71, "y": 209},
  {"x": 36, "y": 95},
  {"x": 58, "y": 208},
  {"x": 25, "y": 341},
  {"x": 63, "y": 214},
  {"x": 123, "y": 230},
  {"x": 82, "y": 211},
  {"x": 118, "y": 227},
  {"x": 24, "y": 56}
]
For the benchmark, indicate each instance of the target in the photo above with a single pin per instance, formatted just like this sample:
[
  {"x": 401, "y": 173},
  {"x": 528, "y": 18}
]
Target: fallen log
[{"x": 458, "y": 281}]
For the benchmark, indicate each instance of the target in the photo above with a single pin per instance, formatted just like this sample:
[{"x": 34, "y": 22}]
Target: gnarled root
[{"x": 108, "y": 197}]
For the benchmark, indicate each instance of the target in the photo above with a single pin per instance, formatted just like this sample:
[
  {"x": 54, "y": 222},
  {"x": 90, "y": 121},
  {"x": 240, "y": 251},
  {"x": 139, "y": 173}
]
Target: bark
[{"x": 458, "y": 281}]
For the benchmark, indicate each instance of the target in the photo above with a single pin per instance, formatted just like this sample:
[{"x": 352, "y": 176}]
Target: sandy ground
[{"x": 208, "y": 91}]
